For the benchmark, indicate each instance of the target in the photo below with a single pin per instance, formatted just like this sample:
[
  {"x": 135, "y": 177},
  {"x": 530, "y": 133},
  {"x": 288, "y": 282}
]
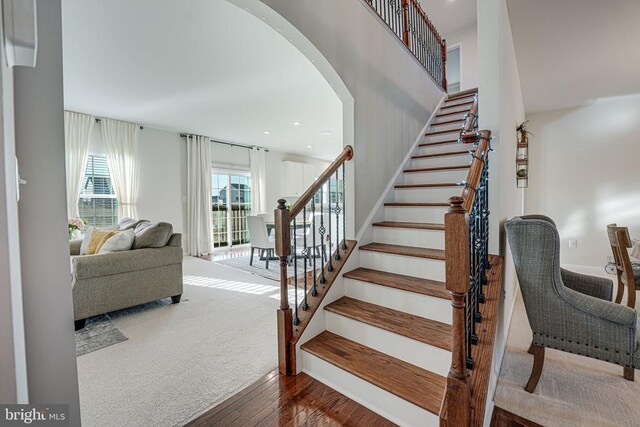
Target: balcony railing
[{"x": 410, "y": 23}]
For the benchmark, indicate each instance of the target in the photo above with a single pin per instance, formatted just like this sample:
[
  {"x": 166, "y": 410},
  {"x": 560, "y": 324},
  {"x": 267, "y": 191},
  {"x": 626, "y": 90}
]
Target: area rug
[
  {"x": 182, "y": 359},
  {"x": 573, "y": 390},
  {"x": 259, "y": 267},
  {"x": 99, "y": 332}
]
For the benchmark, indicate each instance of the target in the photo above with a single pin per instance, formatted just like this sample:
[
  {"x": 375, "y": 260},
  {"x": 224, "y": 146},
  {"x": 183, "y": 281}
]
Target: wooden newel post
[
  {"x": 444, "y": 64},
  {"x": 457, "y": 400},
  {"x": 405, "y": 22},
  {"x": 286, "y": 361}
]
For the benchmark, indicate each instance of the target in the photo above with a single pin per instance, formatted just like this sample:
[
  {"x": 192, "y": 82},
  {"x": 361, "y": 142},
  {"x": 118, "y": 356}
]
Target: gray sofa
[{"x": 113, "y": 281}]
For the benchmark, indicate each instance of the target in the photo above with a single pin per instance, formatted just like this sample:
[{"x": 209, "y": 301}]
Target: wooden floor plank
[
  {"x": 277, "y": 400},
  {"x": 411, "y": 225},
  {"x": 418, "y": 386},
  {"x": 412, "y": 251},
  {"x": 416, "y": 285},
  {"x": 418, "y": 328}
]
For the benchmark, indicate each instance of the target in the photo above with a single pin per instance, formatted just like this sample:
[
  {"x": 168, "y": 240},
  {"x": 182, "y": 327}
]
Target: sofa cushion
[
  {"x": 152, "y": 235},
  {"x": 98, "y": 239},
  {"x": 129, "y": 223},
  {"x": 122, "y": 241}
]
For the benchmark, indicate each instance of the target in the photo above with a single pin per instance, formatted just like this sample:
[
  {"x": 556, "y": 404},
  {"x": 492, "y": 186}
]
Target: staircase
[{"x": 388, "y": 341}]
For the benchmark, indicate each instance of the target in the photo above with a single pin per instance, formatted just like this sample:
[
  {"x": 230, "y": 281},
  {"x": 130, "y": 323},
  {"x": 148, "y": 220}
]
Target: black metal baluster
[
  {"x": 314, "y": 288},
  {"x": 330, "y": 266},
  {"x": 344, "y": 208},
  {"x": 321, "y": 231},
  {"x": 296, "y": 319},
  {"x": 337, "y": 209},
  {"x": 305, "y": 252}
]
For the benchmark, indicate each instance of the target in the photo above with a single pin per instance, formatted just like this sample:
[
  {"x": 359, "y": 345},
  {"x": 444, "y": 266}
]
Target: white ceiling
[
  {"x": 209, "y": 68},
  {"x": 572, "y": 52},
  {"x": 450, "y": 15}
]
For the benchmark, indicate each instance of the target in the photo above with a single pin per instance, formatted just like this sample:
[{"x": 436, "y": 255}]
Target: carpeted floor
[
  {"x": 573, "y": 390},
  {"x": 182, "y": 359}
]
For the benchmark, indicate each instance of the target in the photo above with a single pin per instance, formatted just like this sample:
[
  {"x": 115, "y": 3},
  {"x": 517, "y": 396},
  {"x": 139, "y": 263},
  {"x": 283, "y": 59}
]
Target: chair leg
[
  {"x": 536, "y": 371},
  {"x": 268, "y": 256},
  {"x": 251, "y": 258},
  {"x": 629, "y": 374},
  {"x": 631, "y": 298},
  {"x": 530, "y": 351}
]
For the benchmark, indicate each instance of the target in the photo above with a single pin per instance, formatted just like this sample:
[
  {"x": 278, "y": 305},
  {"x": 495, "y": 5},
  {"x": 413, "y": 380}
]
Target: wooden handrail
[{"x": 346, "y": 155}]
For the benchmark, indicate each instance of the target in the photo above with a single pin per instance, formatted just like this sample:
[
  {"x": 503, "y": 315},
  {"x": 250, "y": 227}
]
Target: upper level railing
[
  {"x": 410, "y": 23},
  {"x": 310, "y": 238},
  {"x": 466, "y": 263}
]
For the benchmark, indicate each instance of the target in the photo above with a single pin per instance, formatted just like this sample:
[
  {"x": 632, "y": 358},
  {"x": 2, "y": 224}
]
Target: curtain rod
[
  {"x": 100, "y": 120},
  {"x": 184, "y": 135}
]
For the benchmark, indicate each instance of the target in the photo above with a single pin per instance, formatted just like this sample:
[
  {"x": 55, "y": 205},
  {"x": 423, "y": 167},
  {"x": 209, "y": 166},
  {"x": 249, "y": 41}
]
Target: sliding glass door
[{"x": 231, "y": 204}]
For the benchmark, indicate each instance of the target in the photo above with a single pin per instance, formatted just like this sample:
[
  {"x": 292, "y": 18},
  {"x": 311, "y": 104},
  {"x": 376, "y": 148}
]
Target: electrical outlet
[{"x": 573, "y": 243}]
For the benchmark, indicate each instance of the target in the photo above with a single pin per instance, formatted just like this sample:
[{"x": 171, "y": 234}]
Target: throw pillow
[
  {"x": 98, "y": 238},
  {"x": 122, "y": 241},
  {"x": 152, "y": 235},
  {"x": 85, "y": 242},
  {"x": 129, "y": 223}
]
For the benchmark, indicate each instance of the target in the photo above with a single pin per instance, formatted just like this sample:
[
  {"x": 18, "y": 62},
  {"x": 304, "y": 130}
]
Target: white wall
[
  {"x": 468, "y": 39},
  {"x": 584, "y": 173},
  {"x": 393, "y": 96},
  {"x": 44, "y": 245},
  {"x": 501, "y": 110}
]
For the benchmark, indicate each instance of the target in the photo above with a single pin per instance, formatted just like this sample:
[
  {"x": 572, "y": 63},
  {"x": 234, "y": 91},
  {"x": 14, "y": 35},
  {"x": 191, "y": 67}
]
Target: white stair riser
[
  {"x": 422, "y": 355},
  {"x": 457, "y": 116},
  {"x": 448, "y": 126},
  {"x": 454, "y": 175},
  {"x": 426, "y": 195},
  {"x": 432, "y": 162},
  {"x": 409, "y": 237},
  {"x": 415, "y": 213},
  {"x": 409, "y": 302},
  {"x": 378, "y": 400},
  {"x": 466, "y": 98},
  {"x": 443, "y": 148},
  {"x": 409, "y": 266}
]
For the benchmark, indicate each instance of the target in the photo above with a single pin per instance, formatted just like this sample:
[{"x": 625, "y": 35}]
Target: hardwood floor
[
  {"x": 502, "y": 418},
  {"x": 277, "y": 400}
]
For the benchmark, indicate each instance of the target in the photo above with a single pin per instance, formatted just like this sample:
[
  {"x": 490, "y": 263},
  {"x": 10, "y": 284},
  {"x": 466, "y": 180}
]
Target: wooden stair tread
[
  {"x": 417, "y": 328},
  {"x": 445, "y": 107},
  {"x": 417, "y": 285},
  {"x": 416, "y": 385},
  {"x": 436, "y": 169},
  {"x": 447, "y": 122},
  {"x": 442, "y": 132},
  {"x": 411, "y": 225},
  {"x": 412, "y": 251},
  {"x": 439, "y": 185},
  {"x": 417, "y": 204},
  {"x": 447, "y": 153},
  {"x": 451, "y": 113}
]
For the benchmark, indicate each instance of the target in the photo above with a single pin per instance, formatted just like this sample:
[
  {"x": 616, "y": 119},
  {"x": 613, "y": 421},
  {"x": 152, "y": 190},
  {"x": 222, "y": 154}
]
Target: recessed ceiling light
[
  {"x": 326, "y": 132},
  {"x": 309, "y": 146},
  {"x": 267, "y": 132},
  {"x": 296, "y": 123}
]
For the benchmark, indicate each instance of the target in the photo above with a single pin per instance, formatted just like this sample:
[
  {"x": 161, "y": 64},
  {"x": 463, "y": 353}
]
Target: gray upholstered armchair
[{"x": 568, "y": 311}]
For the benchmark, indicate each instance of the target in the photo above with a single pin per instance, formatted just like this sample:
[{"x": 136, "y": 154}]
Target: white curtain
[
  {"x": 200, "y": 236},
  {"x": 121, "y": 146},
  {"x": 258, "y": 158},
  {"x": 77, "y": 131}
]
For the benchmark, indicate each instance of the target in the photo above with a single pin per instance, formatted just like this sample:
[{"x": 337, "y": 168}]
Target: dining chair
[
  {"x": 260, "y": 239},
  {"x": 568, "y": 311},
  {"x": 628, "y": 276},
  {"x": 268, "y": 217}
]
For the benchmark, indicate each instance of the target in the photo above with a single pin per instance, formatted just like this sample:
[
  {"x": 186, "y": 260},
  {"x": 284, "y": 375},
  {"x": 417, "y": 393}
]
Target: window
[
  {"x": 230, "y": 204},
  {"x": 98, "y": 205}
]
